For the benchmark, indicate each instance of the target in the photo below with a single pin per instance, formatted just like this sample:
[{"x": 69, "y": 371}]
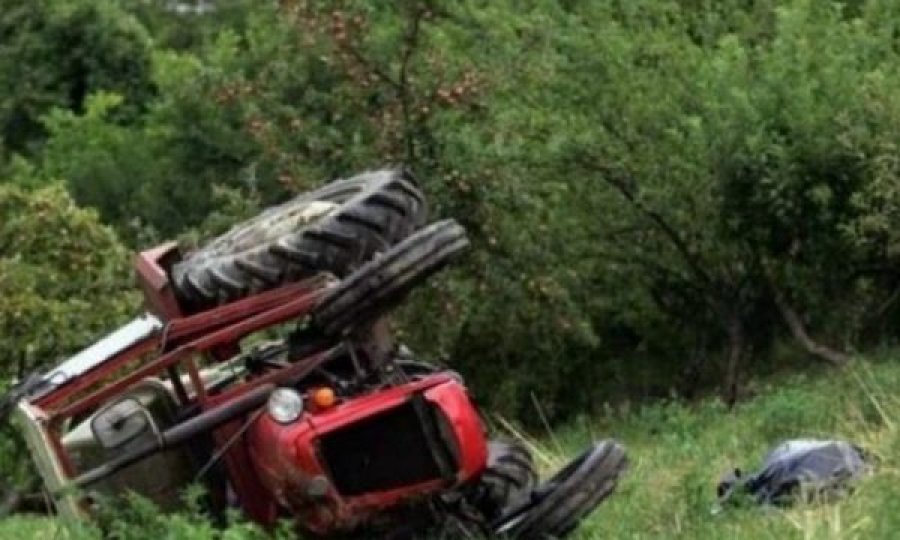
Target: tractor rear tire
[
  {"x": 386, "y": 280},
  {"x": 559, "y": 504},
  {"x": 507, "y": 480},
  {"x": 333, "y": 229}
]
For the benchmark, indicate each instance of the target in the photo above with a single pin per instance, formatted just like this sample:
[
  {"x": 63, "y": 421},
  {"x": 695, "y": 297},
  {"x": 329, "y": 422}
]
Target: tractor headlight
[{"x": 285, "y": 405}]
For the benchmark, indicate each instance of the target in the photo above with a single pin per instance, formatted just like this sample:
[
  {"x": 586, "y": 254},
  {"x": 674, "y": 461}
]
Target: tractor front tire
[
  {"x": 386, "y": 280},
  {"x": 559, "y": 504},
  {"x": 507, "y": 480}
]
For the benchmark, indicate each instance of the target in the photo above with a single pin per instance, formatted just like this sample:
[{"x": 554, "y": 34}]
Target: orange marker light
[{"x": 323, "y": 397}]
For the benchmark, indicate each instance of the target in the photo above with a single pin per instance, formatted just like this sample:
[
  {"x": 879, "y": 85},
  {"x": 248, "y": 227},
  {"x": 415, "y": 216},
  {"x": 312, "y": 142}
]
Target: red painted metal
[
  {"x": 101, "y": 395},
  {"x": 238, "y": 319},
  {"x": 220, "y": 328},
  {"x": 253, "y": 497},
  {"x": 252, "y": 494},
  {"x": 152, "y": 267},
  {"x": 286, "y": 460},
  {"x": 272, "y": 464},
  {"x": 64, "y": 459},
  {"x": 466, "y": 423},
  {"x": 196, "y": 381},
  {"x": 202, "y": 323},
  {"x": 181, "y": 330},
  {"x": 67, "y": 390},
  {"x": 229, "y": 334}
]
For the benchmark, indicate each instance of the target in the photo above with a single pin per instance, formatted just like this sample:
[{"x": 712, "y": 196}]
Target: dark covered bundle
[{"x": 813, "y": 470}]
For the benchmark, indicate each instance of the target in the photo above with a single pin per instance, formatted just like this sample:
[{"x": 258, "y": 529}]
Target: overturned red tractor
[{"x": 266, "y": 370}]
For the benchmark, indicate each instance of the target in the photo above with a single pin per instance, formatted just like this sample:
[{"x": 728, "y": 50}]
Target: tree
[
  {"x": 54, "y": 54},
  {"x": 659, "y": 194},
  {"x": 64, "y": 278}
]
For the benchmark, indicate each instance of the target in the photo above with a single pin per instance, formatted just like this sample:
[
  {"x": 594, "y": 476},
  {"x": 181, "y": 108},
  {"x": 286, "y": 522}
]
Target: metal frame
[{"x": 183, "y": 335}]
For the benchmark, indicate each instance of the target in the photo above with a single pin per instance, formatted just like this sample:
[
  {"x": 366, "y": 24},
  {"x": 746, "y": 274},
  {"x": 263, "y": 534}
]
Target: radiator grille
[{"x": 387, "y": 451}]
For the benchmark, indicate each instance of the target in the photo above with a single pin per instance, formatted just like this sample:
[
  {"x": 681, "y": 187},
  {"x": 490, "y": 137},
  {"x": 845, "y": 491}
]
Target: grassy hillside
[{"x": 677, "y": 452}]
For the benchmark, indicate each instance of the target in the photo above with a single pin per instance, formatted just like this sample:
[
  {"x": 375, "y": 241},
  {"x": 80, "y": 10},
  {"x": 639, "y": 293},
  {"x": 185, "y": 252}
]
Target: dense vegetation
[{"x": 666, "y": 197}]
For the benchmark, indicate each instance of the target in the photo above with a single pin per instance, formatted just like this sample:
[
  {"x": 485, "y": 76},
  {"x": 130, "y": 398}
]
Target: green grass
[
  {"x": 23, "y": 527},
  {"x": 676, "y": 453}
]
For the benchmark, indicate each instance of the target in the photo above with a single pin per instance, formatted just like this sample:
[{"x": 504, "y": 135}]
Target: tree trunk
[
  {"x": 798, "y": 331},
  {"x": 736, "y": 347}
]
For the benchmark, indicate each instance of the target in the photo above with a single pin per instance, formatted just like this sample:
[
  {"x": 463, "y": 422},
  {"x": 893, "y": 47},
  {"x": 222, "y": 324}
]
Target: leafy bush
[
  {"x": 54, "y": 54},
  {"x": 64, "y": 278}
]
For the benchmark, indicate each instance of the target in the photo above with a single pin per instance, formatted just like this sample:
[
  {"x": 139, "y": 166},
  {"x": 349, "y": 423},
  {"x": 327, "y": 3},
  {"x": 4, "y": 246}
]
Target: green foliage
[
  {"x": 277, "y": 104},
  {"x": 64, "y": 278},
  {"x": 652, "y": 187},
  {"x": 107, "y": 166},
  {"x": 55, "y": 54},
  {"x": 188, "y": 25},
  {"x": 135, "y": 518},
  {"x": 139, "y": 519},
  {"x": 669, "y": 168}
]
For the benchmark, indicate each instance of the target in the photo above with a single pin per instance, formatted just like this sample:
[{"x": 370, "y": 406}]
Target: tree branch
[
  {"x": 736, "y": 350},
  {"x": 624, "y": 186},
  {"x": 798, "y": 329},
  {"x": 374, "y": 69},
  {"x": 410, "y": 44}
]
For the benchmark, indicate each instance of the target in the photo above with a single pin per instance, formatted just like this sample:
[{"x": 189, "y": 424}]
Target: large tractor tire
[
  {"x": 559, "y": 504},
  {"x": 384, "y": 282},
  {"x": 333, "y": 229},
  {"x": 507, "y": 480}
]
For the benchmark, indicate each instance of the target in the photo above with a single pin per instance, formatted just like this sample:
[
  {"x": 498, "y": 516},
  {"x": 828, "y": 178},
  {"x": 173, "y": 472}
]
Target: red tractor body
[
  {"x": 333, "y": 468},
  {"x": 338, "y": 468},
  {"x": 281, "y": 387}
]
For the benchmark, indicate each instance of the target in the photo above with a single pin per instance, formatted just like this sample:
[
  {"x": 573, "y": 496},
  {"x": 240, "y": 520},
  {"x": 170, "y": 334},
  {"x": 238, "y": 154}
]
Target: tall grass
[{"x": 678, "y": 451}]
